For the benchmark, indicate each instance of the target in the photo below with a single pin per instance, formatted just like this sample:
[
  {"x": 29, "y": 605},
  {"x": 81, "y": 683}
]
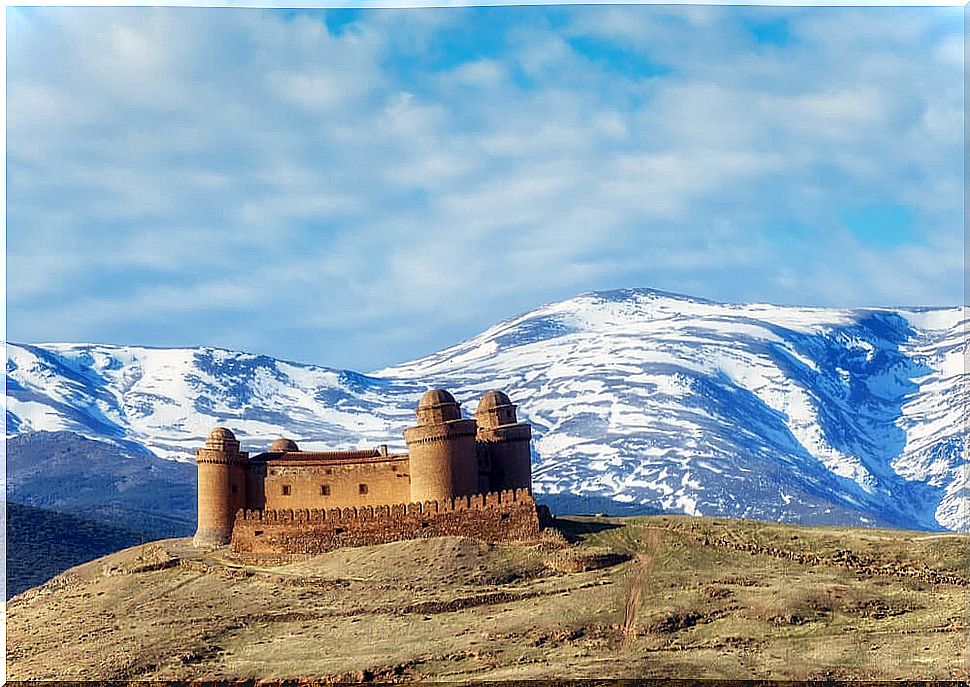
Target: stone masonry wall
[
  {"x": 283, "y": 535},
  {"x": 363, "y": 483}
]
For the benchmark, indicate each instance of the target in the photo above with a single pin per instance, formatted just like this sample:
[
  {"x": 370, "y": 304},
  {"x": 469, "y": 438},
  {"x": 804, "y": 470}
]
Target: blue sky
[{"x": 357, "y": 188}]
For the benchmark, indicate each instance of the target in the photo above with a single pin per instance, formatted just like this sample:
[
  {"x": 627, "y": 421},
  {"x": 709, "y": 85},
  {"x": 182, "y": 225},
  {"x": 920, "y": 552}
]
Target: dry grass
[{"x": 642, "y": 597}]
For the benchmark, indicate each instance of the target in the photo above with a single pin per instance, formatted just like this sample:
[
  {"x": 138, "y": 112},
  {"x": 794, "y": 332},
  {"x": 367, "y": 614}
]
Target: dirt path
[{"x": 643, "y": 560}]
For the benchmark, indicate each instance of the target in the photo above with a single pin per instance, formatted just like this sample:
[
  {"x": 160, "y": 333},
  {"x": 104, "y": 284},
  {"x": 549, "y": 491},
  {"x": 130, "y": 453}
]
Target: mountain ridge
[{"x": 666, "y": 401}]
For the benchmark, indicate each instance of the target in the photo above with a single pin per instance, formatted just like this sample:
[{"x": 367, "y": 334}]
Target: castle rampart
[
  {"x": 460, "y": 476},
  {"x": 285, "y": 535}
]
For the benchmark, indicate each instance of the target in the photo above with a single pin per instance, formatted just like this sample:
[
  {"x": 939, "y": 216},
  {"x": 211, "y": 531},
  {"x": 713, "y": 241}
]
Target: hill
[
  {"x": 42, "y": 543},
  {"x": 98, "y": 480},
  {"x": 649, "y": 596},
  {"x": 646, "y": 400}
]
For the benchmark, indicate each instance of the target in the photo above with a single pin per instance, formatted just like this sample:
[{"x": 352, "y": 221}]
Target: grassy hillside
[
  {"x": 42, "y": 543},
  {"x": 650, "y": 596}
]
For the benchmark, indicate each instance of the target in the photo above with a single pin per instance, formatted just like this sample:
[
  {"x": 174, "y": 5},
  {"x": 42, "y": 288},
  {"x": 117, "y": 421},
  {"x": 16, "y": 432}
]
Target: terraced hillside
[{"x": 633, "y": 597}]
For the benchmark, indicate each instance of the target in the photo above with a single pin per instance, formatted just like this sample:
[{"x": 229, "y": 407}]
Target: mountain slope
[
  {"x": 101, "y": 481},
  {"x": 646, "y": 398},
  {"x": 42, "y": 543},
  {"x": 748, "y": 410}
]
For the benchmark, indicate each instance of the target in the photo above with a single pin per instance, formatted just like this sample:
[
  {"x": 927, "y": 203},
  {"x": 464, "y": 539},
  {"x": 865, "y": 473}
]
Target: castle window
[
  {"x": 361, "y": 488},
  {"x": 286, "y": 490},
  {"x": 324, "y": 490},
  {"x": 234, "y": 490}
]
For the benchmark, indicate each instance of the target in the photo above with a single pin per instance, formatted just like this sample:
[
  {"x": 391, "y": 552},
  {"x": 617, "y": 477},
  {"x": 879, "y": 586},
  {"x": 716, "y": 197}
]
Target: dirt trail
[{"x": 643, "y": 560}]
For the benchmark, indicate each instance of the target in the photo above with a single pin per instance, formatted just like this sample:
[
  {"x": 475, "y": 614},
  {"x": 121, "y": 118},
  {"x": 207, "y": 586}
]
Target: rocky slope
[{"x": 650, "y": 400}]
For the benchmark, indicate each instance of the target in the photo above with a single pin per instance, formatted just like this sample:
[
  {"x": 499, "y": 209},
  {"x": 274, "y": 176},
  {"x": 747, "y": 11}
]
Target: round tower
[
  {"x": 222, "y": 487},
  {"x": 504, "y": 443},
  {"x": 441, "y": 447}
]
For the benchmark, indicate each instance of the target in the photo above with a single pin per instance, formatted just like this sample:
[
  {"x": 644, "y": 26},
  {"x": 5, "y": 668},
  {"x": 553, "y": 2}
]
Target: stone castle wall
[
  {"x": 508, "y": 455},
  {"x": 301, "y": 484},
  {"x": 221, "y": 492},
  {"x": 283, "y": 535},
  {"x": 443, "y": 460}
]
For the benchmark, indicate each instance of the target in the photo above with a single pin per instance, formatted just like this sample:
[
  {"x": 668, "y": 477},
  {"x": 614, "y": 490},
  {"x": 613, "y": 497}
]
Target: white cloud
[
  {"x": 483, "y": 73},
  {"x": 368, "y": 195}
]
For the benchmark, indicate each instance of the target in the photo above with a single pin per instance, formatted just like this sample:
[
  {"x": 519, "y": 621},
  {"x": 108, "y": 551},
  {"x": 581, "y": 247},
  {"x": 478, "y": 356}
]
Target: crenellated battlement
[
  {"x": 292, "y": 534},
  {"x": 496, "y": 499}
]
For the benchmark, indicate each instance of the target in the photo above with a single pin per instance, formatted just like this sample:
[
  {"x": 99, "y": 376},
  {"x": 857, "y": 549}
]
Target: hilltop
[
  {"x": 640, "y": 401},
  {"x": 649, "y": 596}
]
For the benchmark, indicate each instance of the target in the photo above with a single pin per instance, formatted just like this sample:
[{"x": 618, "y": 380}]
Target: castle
[{"x": 459, "y": 476}]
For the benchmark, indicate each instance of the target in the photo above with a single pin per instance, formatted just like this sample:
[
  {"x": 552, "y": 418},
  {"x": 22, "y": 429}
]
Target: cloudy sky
[{"x": 356, "y": 188}]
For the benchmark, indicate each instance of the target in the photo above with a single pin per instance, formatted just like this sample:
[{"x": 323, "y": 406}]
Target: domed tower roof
[
  {"x": 492, "y": 400},
  {"x": 437, "y": 405},
  {"x": 435, "y": 397},
  {"x": 221, "y": 438},
  {"x": 495, "y": 410},
  {"x": 221, "y": 433},
  {"x": 282, "y": 445}
]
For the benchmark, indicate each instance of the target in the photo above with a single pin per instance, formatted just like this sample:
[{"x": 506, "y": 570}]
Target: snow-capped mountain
[{"x": 669, "y": 402}]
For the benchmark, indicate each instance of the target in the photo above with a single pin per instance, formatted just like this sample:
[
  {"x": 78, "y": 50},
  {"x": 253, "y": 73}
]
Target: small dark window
[
  {"x": 286, "y": 490},
  {"x": 258, "y": 533},
  {"x": 234, "y": 490},
  {"x": 324, "y": 490},
  {"x": 361, "y": 488}
]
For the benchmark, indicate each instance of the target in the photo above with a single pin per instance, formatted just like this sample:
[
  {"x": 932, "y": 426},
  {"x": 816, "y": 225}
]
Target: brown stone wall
[
  {"x": 508, "y": 455},
  {"x": 292, "y": 534},
  {"x": 384, "y": 481},
  {"x": 221, "y": 492},
  {"x": 443, "y": 460},
  {"x": 484, "y": 468}
]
